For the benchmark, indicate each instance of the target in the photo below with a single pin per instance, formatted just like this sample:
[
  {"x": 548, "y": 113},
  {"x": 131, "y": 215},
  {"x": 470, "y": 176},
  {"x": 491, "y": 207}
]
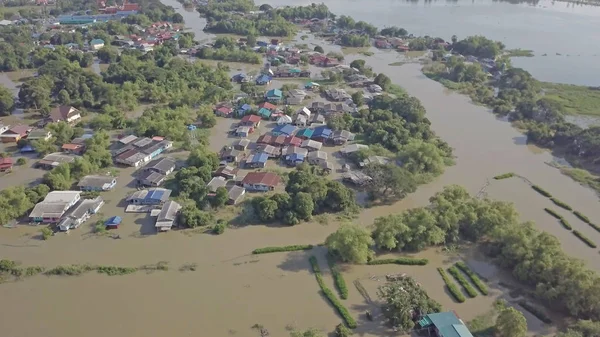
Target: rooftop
[
  {"x": 95, "y": 181},
  {"x": 161, "y": 194},
  {"x": 169, "y": 211},
  {"x": 61, "y": 196},
  {"x": 262, "y": 178},
  {"x": 447, "y": 323}
]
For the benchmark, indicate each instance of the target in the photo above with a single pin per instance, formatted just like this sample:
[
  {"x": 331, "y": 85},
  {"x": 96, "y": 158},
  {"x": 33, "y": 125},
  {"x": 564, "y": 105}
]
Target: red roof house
[
  {"x": 260, "y": 181},
  {"x": 267, "y": 138},
  {"x": 6, "y": 164},
  {"x": 15, "y": 133},
  {"x": 293, "y": 140},
  {"x": 251, "y": 120},
  {"x": 267, "y": 105}
]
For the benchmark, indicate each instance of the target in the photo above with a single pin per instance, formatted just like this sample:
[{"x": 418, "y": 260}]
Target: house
[
  {"x": 113, "y": 222},
  {"x": 260, "y": 181},
  {"x": 150, "y": 178},
  {"x": 285, "y": 119},
  {"x": 215, "y": 183},
  {"x": 266, "y": 139},
  {"x": 252, "y": 121},
  {"x": 97, "y": 183},
  {"x": 127, "y": 139},
  {"x": 292, "y": 140},
  {"x": 226, "y": 172},
  {"x": 270, "y": 150},
  {"x": 141, "y": 150},
  {"x": 164, "y": 166},
  {"x": 317, "y": 157},
  {"x": 279, "y": 141},
  {"x": 311, "y": 145},
  {"x": 244, "y": 110},
  {"x": 352, "y": 148},
  {"x": 167, "y": 218},
  {"x": 294, "y": 159},
  {"x": 236, "y": 194},
  {"x": 356, "y": 177},
  {"x": 263, "y": 80},
  {"x": 304, "y": 112},
  {"x": 15, "y": 133},
  {"x": 54, "y": 206},
  {"x": 6, "y": 164},
  {"x": 27, "y": 149},
  {"x": 444, "y": 324},
  {"x": 153, "y": 196},
  {"x": 240, "y": 78},
  {"x": 274, "y": 95},
  {"x": 267, "y": 105},
  {"x": 337, "y": 95},
  {"x": 71, "y": 148},
  {"x": 305, "y": 133},
  {"x": 224, "y": 111},
  {"x": 293, "y": 99},
  {"x": 80, "y": 213},
  {"x": 64, "y": 113},
  {"x": 257, "y": 160},
  {"x": 52, "y": 160},
  {"x": 374, "y": 159},
  {"x": 3, "y": 128},
  {"x": 316, "y": 118},
  {"x": 341, "y": 137},
  {"x": 96, "y": 44},
  {"x": 286, "y": 130},
  {"x": 321, "y": 134},
  {"x": 288, "y": 150},
  {"x": 231, "y": 155},
  {"x": 243, "y": 131},
  {"x": 39, "y": 134},
  {"x": 264, "y": 113},
  {"x": 241, "y": 144}
]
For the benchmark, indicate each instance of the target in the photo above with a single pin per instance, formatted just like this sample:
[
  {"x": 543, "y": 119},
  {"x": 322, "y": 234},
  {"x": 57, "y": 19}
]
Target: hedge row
[
  {"x": 553, "y": 213},
  {"x": 474, "y": 278},
  {"x": 584, "y": 239},
  {"x": 504, "y": 176},
  {"x": 561, "y": 204},
  {"x": 565, "y": 224},
  {"x": 462, "y": 280},
  {"x": 408, "y": 261},
  {"x": 341, "y": 309},
  {"x": 456, "y": 293},
  {"x": 340, "y": 283},
  {"x": 535, "y": 312},
  {"x": 541, "y": 191},
  {"x": 281, "y": 249},
  {"x": 586, "y": 220}
]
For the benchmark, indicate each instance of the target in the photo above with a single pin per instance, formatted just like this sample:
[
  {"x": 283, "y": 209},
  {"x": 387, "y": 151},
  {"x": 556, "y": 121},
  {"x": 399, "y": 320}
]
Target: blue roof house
[
  {"x": 321, "y": 134},
  {"x": 258, "y": 160},
  {"x": 244, "y": 110},
  {"x": 263, "y": 80},
  {"x": 153, "y": 196},
  {"x": 294, "y": 159},
  {"x": 274, "y": 95},
  {"x": 445, "y": 324},
  {"x": 262, "y": 43},
  {"x": 264, "y": 112},
  {"x": 113, "y": 222},
  {"x": 284, "y": 129}
]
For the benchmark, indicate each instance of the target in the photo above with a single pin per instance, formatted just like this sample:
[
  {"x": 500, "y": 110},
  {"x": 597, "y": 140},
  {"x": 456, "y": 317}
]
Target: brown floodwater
[{"x": 232, "y": 290}]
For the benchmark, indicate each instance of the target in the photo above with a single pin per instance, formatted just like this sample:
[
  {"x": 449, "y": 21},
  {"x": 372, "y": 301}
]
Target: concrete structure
[
  {"x": 152, "y": 196},
  {"x": 317, "y": 157},
  {"x": 215, "y": 183},
  {"x": 236, "y": 194},
  {"x": 54, "y": 206},
  {"x": 167, "y": 218},
  {"x": 97, "y": 183},
  {"x": 80, "y": 213}
]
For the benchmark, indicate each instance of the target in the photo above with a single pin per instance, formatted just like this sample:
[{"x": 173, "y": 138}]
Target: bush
[
  {"x": 281, "y": 249},
  {"x": 46, "y": 233},
  {"x": 21, "y": 161},
  {"x": 350, "y": 322},
  {"x": 219, "y": 228},
  {"x": 582, "y": 217},
  {"x": 474, "y": 278},
  {"x": 70, "y": 270},
  {"x": 561, "y": 204},
  {"x": 504, "y": 176},
  {"x": 565, "y": 224},
  {"x": 584, "y": 239},
  {"x": 553, "y": 213},
  {"x": 407, "y": 261},
  {"x": 456, "y": 293},
  {"x": 535, "y": 312},
  {"x": 458, "y": 276},
  {"x": 541, "y": 191},
  {"x": 340, "y": 283},
  {"x": 342, "y": 331},
  {"x": 112, "y": 270}
]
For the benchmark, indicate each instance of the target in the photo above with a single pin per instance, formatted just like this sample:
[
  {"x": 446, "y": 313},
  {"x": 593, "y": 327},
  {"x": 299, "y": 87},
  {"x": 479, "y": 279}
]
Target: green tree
[
  {"x": 389, "y": 181},
  {"x": 319, "y": 49},
  {"x": 43, "y": 147},
  {"x": 251, "y": 40},
  {"x": 107, "y": 54},
  {"x": 7, "y": 101},
  {"x": 307, "y": 333},
  {"x": 351, "y": 243},
  {"x": 423, "y": 159},
  {"x": 303, "y": 205},
  {"x": 220, "y": 198},
  {"x": 383, "y": 81},
  {"x": 511, "y": 323},
  {"x": 266, "y": 209},
  {"x": 358, "y": 98}
]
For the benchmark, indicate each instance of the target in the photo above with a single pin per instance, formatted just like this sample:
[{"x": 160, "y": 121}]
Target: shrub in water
[
  {"x": 407, "y": 261},
  {"x": 541, "y": 191},
  {"x": 456, "y": 293},
  {"x": 504, "y": 176},
  {"x": 535, "y": 312},
  {"x": 561, "y": 204},
  {"x": 340, "y": 283},
  {"x": 281, "y": 249},
  {"x": 565, "y": 224},
  {"x": 458, "y": 276},
  {"x": 553, "y": 213},
  {"x": 474, "y": 278},
  {"x": 584, "y": 239}
]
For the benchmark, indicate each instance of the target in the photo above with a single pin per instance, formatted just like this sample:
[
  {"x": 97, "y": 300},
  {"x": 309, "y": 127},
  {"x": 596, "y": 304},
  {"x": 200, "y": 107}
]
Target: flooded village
[{"x": 276, "y": 118}]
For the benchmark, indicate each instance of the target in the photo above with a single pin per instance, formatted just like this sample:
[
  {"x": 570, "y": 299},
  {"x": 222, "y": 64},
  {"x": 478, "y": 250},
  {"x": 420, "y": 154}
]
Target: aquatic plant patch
[
  {"x": 456, "y": 293},
  {"x": 565, "y": 224},
  {"x": 504, "y": 176},
  {"x": 407, "y": 261},
  {"x": 585, "y": 239},
  {"x": 267, "y": 250},
  {"x": 474, "y": 277},
  {"x": 462, "y": 280},
  {"x": 553, "y": 213},
  {"x": 338, "y": 278},
  {"x": 541, "y": 191},
  {"x": 561, "y": 204}
]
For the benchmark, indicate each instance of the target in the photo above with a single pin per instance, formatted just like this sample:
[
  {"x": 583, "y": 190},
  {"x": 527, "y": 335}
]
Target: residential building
[
  {"x": 150, "y": 178},
  {"x": 279, "y": 141},
  {"x": 312, "y": 145},
  {"x": 128, "y": 139},
  {"x": 231, "y": 155},
  {"x": 240, "y": 78},
  {"x": 316, "y": 118},
  {"x": 227, "y": 172},
  {"x": 321, "y": 134},
  {"x": 257, "y": 160},
  {"x": 52, "y": 160},
  {"x": 301, "y": 121},
  {"x": 274, "y": 95},
  {"x": 244, "y": 131},
  {"x": 252, "y": 121},
  {"x": 337, "y": 95},
  {"x": 71, "y": 148},
  {"x": 140, "y": 151},
  {"x": 304, "y": 112},
  {"x": 6, "y": 164},
  {"x": 236, "y": 194},
  {"x": 288, "y": 150},
  {"x": 39, "y": 134},
  {"x": 97, "y": 183},
  {"x": 295, "y": 159},
  {"x": 260, "y": 181},
  {"x": 215, "y": 183},
  {"x": 263, "y": 80},
  {"x": 96, "y": 44},
  {"x": 286, "y": 130},
  {"x": 64, "y": 113},
  {"x": 266, "y": 138},
  {"x": 224, "y": 111},
  {"x": 54, "y": 206},
  {"x": 113, "y": 222},
  {"x": 444, "y": 324},
  {"x": 244, "y": 110},
  {"x": 167, "y": 218},
  {"x": 3, "y": 128},
  {"x": 341, "y": 137},
  {"x": 305, "y": 133},
  {"x": 241, "y": 144},
  {"x": 264, "y": 113},
  {"x": 352, "y": 148},
  {"x": 317, "y": 157},
  {"x": 164, "y": 166},
  {"x": 80, "y": 213},
  {"x": 15, "y": 133},
  {"x": 152, "y": 196},
  {"x": 292, "y": 140},
  {"x": 267, "y": 105},
  {"x": 270, "y": 150},
  {"x": 282, "y": 120}
]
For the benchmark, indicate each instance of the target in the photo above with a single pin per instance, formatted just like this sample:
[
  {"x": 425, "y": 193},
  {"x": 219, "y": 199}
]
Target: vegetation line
[
  {"x": 460, "y": 278},
  {"x": 407, "y": 261},
  {"x": 541, "y": 191},
  {"x": 456, "y": 293},
  {"x": 504, "y": 176},
  {"x": 340, "y": 283},
  {"x": 585, "y": 219},
  {"x": 341, "y": 309},
  {"x": 565, "y": 224},
  {"x": 474, "y": 278},
  {"x": 266, "y": 250},
  {"x": 585, "y": 239},
  {"x": 561, "y": 204},
  {"x": 553, "y": 213},
  {"x": 535, "y": 312}
]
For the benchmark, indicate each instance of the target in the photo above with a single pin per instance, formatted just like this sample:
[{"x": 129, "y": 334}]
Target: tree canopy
[{"x": 351, "y": 243}]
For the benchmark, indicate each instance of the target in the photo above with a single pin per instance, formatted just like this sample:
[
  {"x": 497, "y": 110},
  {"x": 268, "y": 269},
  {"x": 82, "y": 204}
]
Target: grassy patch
[
  {"x": 367, "y": 53},
  {"x": 338, "y": 278},
  {"x": 504, "y": 176},
  {"x": 46, "y": 233},
  {"x": 565, "y": 224},
  {"x": 474, "y": 278},
  {"x": 535, "y": 312},
  {"x": 576, "y": 99},
  {"x": 541, "y": 191},
  {"x": 561, "y": 204},
  {"x": 407, "y": 261},
  {"x": 585, "y": 239},
  {"x": 581, "y": 217},
  {"x": 188, "y": 267},
  {"x": 397, "y": 64},
  {"x": 456, "y": 293},
  {"x": 341, "y": 309},
  {"x": 267, "y": 250},
  {"x": 583, "y": 177},
  {"x": 520, "y": 53},
  {"x": 553, "y": 213},
  {"x": 113, "y": 271},
  {"x": 462, "y": 280}
]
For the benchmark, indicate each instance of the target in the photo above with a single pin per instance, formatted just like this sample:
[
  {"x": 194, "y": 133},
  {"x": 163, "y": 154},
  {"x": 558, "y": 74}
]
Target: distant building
[
  {"x": 153, "y": 196},
  {"x": 96, "y": 44},
  {"x": 236, "y": 194},
  {"x": 260, "y": 181},
  {"x": 97, "y": 183},
  {"x": 80, "y": 213},
  {"x": 64, "y": 113},
  {"x": 444, "y": 324},
  {"x": 54, "y": 206},
  {"x": 167, "y": 218}
]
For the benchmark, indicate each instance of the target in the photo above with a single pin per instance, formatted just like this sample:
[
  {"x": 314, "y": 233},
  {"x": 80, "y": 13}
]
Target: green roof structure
[{"x": 446, "y": 324}]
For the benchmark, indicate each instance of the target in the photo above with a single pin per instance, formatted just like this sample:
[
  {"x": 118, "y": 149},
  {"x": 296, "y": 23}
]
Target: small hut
[{"x": 113, "y": 222}]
